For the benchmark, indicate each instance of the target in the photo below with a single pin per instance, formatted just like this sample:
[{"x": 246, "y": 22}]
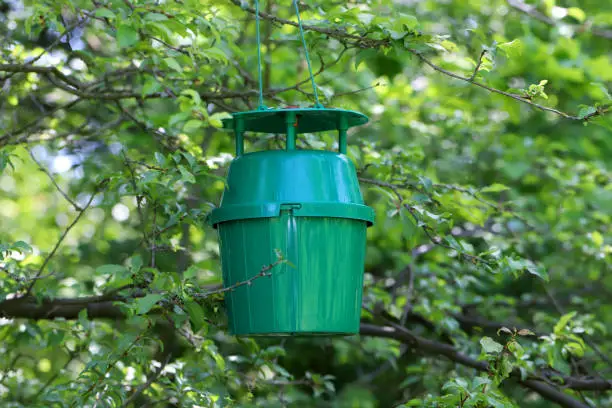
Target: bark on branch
[
  {"x": 98, "y": 307},
  {"x": 440, "y": 349},
  {"x": 362, "y": 41},
  {"x": 104, "y": 307}
]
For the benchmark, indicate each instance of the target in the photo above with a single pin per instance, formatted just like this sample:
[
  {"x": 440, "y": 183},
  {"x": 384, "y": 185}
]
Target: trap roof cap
[{"x": 307, "y": 120}]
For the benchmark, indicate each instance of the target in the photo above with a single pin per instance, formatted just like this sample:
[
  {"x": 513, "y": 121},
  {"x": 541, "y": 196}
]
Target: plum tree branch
[
  {"x": 83, "y": 91},
  {"x": 104, "y": 307},
  {"x": 59, "y": 189},
  {"x": 516, "y": 97},
  {"x": 98, "y": 307},
  {"x": 532, "y": 11},
  {"x": 364, "y": 42},
  {"x": 61, "y": 239},
  {"x": 435, "y": 348},
  {"x": 6, "y": 138}
]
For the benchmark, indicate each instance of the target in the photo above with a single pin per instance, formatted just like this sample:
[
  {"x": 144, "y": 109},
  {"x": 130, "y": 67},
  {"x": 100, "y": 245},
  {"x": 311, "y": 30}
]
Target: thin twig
[
  {"x": 409, "y": 291},
  {"x": 357, "y": 90},
  {"x": 365, "y": 42},
  {"x": 71, "y": 357},
  {"x": 482, "y": 54},
  {"x": 149, "y": 381},
  {"x": 53, "y": 44},
  {"x": 153, "y": 241},
  {"x": 519, "y": 98},
  {"x": 561, "y": 310},
  {"x": 109, "y": 367},
  {"x": 139, "y": 196},
  {"x": 62, "y": 192},
  {"x": 265, "y": 271},
  {"x": 59, "y": 242},
  {"x": 532, "y": 11},
  {"x": 435, "y": 240},
  {"x": 36, "y": 121}
]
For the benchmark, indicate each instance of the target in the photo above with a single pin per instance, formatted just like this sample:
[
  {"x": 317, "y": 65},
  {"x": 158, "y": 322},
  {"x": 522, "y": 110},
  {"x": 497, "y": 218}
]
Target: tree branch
[
  {"x": 62, "y": 192},
  {"x": 532, "y": 11},
  {"x": 477, "y": 68},
  {"x": 361, "y": 42},
  {"x": 365, "y": 42},
  {"x": 152, "y": 377},
  {"x": 432, "y": 347},
  {"x": 60, "y": 240},
  {"x": 5, "y": 138},
  {"x": 516, "y": 97},
  {"x": 98, "y": 307},
  {"x": 103, "y": 307}
]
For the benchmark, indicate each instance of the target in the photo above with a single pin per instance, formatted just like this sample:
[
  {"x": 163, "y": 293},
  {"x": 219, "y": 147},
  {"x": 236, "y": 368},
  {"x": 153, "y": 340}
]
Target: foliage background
[{"x": 486, "y": 159}]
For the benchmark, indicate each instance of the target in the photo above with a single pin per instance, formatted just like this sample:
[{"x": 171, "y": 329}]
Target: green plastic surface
[
  {"x": 318, "y": 293},
  {"x": 323, "y": 184},
  {"x": 306, "y": 204},
  {"x": 308, "y": 120}
]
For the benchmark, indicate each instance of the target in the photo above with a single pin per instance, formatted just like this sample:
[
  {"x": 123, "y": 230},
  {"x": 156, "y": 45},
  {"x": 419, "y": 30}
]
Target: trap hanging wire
[
  {"x": 306, "y": 120},
  {"x": 262, "y": 106}
]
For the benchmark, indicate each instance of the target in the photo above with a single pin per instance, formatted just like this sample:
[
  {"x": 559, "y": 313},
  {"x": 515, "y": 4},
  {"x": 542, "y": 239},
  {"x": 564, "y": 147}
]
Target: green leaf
[
  {"x": 563, "y": 321},
  {"x": 197, "y": 317},
  {"x": 155, "y": 17},
  {"x": 539, "y": 271},
  {"x": 494, "y": 188},
  {"x": 83, "y": 320},
  {"x": 364, "y": 56},
  {"x": 597, "y": 238},
  {"x": 220, "y": 361},
  {"x": 480, "y": 381},
  {"x": 574, "y": 349},
  {"x": 190, "y": 159},
  {"x": 193, "y": 94},
  {"x": 577, "y": 13},
  {"x": 191, "y": 272},
  {"x": 599, "y": 92},
  {"x": 512, "y": 49},
  {"x": 408, "y": 21},
  {"x": 173, "y": 64},
  {"x": 520, "y": 265},
  {"x": 216, "y": 119},
  {"x": 126, "y": 36},
  {"x": 5, "y": 160},
  {"x": 136, "y": 263},
  {"x": 187, "y": 176},
  {"x": 160, "y": 158},
  {"x": 56, "y": 337},
  {"x": 162, "y": 281},
  {"x": 410, "y": 230},
  {"x": 21, "y": 247},
  {"x": 192, "y": 125},
  {"x": 490, "y": 346},
  {"x": 426, "y": 183},
  {"x": 104, "y": 13},
  {"x": 143, "y": 305},
  {"x": 110, "y": 269},
  {"x": 537, "y": 90},
  {"x": 151, "y": 86},
  {"x": 179, "y": 117},
  {"x": 414, "y": 403},
  {"x": 453, "y": 243},
  {"x": 495, "y": 403},
  {"x": 586, "y": 111},
  {"x": 557, "y": 360}
]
